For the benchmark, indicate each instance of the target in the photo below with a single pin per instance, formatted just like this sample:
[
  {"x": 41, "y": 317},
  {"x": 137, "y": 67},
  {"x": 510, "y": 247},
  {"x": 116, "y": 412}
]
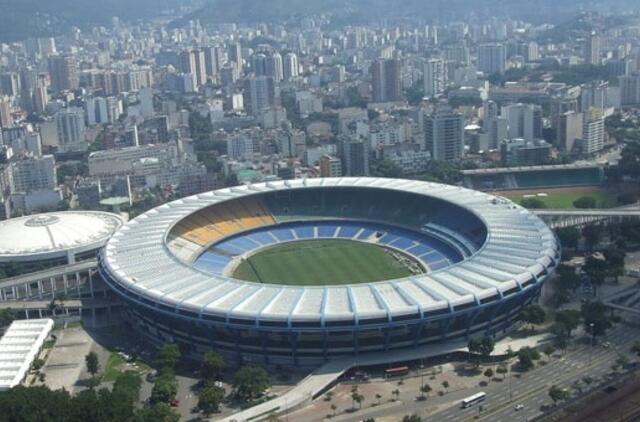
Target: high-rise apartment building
[
  {"x": 592, "y": 49},
  {"x": 261, "y": 92},
  {"x": 274, "y": 67},
  {"x": 290, "y": 66},
  {"x": 444, "y": 134},
  {"x": 525, "y": 121},
  {"x": 593, "y": 132},
  {"x": 385, "y": 79},
  {"x": 71, "y": 130},
  {"x": 330, "y": 166},
  {"x": 355, "y": 156},
  {"x": 434, "y": 77},
  {"x": 569, "y": 129},
  {"x": 492, "y": 58},
  {"x": 33, "y": 174},
  {"x": 5, "y": 112},
  {"x": 63, "y": 71}
]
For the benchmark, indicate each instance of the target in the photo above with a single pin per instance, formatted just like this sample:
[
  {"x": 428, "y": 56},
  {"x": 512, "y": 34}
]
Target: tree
[
  {"x": 596, "y": 269},
  {"x": 635, "y": 348},
  {"x": 92, "y": 363},
  {"x": 526, "y": 358},
  {"x": 7, "y": 316},
  {"x": 502, "y": 370},
  {"x": 411, "y": 418},
  {"x": 333, "y": 409},
  {"x": 596, "y": 320},
  {"x": 168, "y": 356},
  {"x": 548, "y": 350},
  {"x": 210, "y": 398},
  {"x": 533, "y": 203},
  {"x": 158, "y": 412},
  {"x": 482, "y": 347},
  {"x": 356, "y": 398},
  {"x": 165, "y": 388},
  {"x": 474, "y": 347},
  {"x": 532, "y": 314},
  {"x": 378, "y": 397},
  {"x": 250, "y": 382},
  {"x": 567, "y": 278},
  {"x": 558, "y": 394},
  {"x": 585, "y": 202},
  {"x": 489, "y": 373},
  {"x": 445, "y": 385},
  {"x": 212, "y": 365},
  {"x": 568, "y": 320},
  {"x": 385, "y": 168},
  {"x": 396, "y": 393},
  {"x": 425, "y": 390},
  {"x": 487, "y": 344},
  {"x": 614, "y": 258},
  {"x": 622, "y": 361},
  {"x": 592, "y": 234},
  {"x": 569, "y": 237}
]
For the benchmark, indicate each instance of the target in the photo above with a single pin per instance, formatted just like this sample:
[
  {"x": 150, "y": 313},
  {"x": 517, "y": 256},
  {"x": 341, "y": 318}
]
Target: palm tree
[
  {"x": 378, "y": 397},
  {"x": 356, "y": 398},
  {"x": 333, "y": 409},
  {"x": 445, "y": 384},
  {"x": 425, "y": 389}
]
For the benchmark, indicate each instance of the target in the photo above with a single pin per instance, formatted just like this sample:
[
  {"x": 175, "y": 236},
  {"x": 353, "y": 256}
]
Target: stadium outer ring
[{"x": 171, "y": 301}]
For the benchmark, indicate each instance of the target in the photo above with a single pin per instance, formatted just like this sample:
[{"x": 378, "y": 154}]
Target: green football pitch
[{"x": 321, "y": 262}]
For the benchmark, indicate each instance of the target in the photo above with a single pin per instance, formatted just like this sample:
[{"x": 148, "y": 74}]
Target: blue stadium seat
[
  {"x": 327, "y": 230},
  {"x": 348, "y": 231},
  {"x": 262, "y": 237},
  {"x": 304, "y": 231},
  {"x": 366, "y": 233},
  {"x": 282, "y": 234}
]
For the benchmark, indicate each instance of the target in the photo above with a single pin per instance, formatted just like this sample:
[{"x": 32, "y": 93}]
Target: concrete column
[
  {"x": 91, "y": 285},
  {"x": 65, "y": 283},
  {"x": 53, "y": 286},
  {"x": 78, "y": 279},
  {"x": 40, "y": 289}
]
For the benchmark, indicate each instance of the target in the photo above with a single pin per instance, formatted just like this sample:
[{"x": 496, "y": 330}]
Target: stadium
[{"x": 302, "y": 271}]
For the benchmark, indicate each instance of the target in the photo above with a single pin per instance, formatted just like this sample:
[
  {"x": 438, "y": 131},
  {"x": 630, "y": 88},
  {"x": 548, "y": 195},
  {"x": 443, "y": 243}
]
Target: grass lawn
[
  {"x": 564, "y": 200},
  {"x": 115, "y": 366},
  {"x": 321, "y": 262},
  {"x": 112, "y": 368}
]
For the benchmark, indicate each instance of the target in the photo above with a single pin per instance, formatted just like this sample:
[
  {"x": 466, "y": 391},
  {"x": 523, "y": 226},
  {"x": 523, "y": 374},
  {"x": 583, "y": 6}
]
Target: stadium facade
[{"x": 484, "y": 259}]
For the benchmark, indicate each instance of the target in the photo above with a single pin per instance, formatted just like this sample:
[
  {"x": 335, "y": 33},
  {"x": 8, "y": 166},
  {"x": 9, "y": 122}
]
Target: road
[{"x": 530, "y": 388}]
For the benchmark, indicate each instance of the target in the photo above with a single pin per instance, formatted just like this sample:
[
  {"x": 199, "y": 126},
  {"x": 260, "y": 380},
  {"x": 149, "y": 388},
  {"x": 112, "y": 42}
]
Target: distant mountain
[
  {"x": 218, "y": 11},
  {"x": 20, "y": 19}
]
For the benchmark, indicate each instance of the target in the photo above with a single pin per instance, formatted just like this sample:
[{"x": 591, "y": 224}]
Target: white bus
[{"x": 471, "y": 400}]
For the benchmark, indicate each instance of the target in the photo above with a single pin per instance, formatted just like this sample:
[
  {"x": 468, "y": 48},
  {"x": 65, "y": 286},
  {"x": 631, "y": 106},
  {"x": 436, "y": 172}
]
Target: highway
[{"x": 531, "y": 388}]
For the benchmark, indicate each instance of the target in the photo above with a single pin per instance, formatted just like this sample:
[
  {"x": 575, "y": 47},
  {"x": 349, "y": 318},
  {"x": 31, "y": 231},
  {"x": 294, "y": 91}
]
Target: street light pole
[{"x": 591, "y": 343}]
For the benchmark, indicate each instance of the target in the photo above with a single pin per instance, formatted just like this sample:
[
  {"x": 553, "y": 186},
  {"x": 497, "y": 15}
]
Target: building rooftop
[
  {"x": 45, "y": 235},
  {"x": 19, "y": 347}
]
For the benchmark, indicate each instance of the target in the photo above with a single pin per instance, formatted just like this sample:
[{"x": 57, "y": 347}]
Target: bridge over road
[{"x": 573, "y": 217}]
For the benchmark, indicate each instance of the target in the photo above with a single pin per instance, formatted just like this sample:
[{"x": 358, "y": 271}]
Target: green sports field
[
  {"x": 564, "y": 200},
  {"x": 321, "y": 262}
]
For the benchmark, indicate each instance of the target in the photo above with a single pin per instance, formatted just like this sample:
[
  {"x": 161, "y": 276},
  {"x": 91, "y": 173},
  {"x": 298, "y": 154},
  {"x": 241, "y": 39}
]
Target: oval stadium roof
[{"x": 519, "y": 248}]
